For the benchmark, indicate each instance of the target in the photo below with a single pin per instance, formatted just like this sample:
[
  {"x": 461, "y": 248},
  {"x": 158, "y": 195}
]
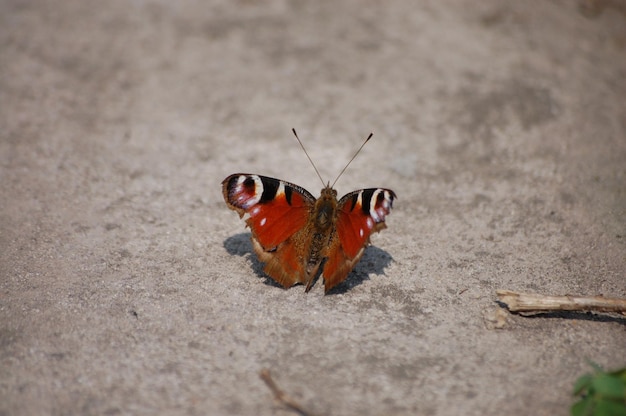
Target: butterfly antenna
[
  {"x": 348, "y": 164},
  {"x": 309, "y": 157}
]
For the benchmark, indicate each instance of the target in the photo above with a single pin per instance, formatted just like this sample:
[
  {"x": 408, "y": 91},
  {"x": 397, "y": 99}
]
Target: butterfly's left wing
[
  {"x": 359, "y": 214},
  {"x": 277, "y": 214}
]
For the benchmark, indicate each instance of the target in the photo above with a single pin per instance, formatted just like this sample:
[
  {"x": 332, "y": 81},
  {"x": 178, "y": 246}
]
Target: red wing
[
  {"x": 276, "y": 209},
  {"x": 359, "y": 214}
]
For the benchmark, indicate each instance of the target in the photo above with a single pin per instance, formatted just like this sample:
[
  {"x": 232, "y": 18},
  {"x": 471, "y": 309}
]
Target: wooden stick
[
  {"x": 528, "y": 302},
  {"x": 281, "y": 396}
]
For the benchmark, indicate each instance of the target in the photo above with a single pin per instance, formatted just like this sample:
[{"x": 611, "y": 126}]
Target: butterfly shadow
[
  {"x": 240, "y": 245},
  {"x": 374, "y": 260}
]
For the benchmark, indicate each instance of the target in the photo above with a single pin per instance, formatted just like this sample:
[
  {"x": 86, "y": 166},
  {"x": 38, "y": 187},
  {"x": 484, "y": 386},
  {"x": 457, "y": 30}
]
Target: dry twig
[
  {"x": 533, "y": 303},
  {"x": 281, "y": 396}
]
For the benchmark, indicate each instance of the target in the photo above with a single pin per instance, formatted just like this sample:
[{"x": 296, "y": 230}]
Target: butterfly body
[{"x": 293, "y": 232}]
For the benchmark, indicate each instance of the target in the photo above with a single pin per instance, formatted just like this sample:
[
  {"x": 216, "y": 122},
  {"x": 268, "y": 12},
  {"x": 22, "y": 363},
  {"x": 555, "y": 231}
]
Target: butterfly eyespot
[
  {"x": 244, "y": 191},
  {"x": 262, "y": 222},
  {"x": 380, "y": 203},
  {"x": 361, "y": 232}
]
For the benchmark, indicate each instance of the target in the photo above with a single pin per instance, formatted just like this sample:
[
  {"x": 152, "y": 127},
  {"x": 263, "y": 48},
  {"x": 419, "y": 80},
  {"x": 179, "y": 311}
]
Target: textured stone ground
[{"x": 128, "y": 287}]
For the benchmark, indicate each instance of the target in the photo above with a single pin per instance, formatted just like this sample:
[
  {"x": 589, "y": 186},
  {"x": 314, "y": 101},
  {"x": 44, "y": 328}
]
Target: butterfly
[{"x": 293, "y": 232}]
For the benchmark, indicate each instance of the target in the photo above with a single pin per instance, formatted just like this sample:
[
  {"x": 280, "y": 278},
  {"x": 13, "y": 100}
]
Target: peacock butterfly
[{"x": 292, "y": 232}]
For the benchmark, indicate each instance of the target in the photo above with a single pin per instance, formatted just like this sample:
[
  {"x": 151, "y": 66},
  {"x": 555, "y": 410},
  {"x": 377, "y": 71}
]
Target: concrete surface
[{"x": 128, "y": 287}]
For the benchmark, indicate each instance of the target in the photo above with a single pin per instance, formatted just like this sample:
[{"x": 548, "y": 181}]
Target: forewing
[
  {"x": 276, "y": 209},
  {"x": 361, "y": 213}
]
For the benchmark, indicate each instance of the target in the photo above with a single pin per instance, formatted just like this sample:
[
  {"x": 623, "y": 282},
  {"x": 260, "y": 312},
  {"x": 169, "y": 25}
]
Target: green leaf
[
  {"x": 621, "y": 374},
  {"x": 609, "y": 387},
  {"x": 582, "y": 407},
  {"x": 583, "y": 383},
  {"x": 610, "y": 408}
]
